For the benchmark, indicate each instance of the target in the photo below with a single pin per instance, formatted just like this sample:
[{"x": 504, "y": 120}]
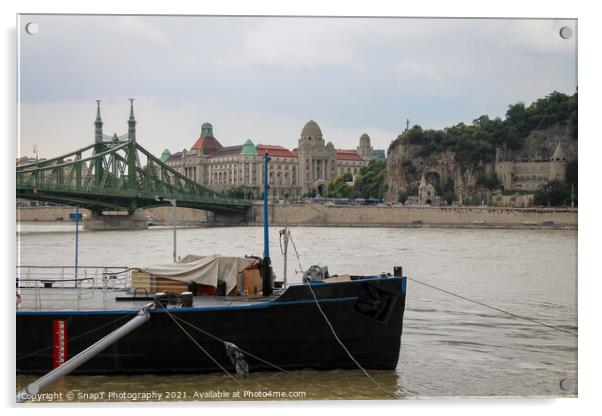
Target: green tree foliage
[
  {"x": 446, "y": 190},
  {"x": 240, "y": 192},
  {"x": 476, "y": 143},
  {"x": 310, "y": 193},
  {"x": 408, "y": 167},
  {"x": 571, "y": 172},
  {"x": 555, "y": 194},
  {"x": 402, "y": 197},
  {"x": 491, "y": 181},
  {"x": 449, "y": 196},
  {"x": 369, "y": 183},
  {"x": 339, "y": 187}
]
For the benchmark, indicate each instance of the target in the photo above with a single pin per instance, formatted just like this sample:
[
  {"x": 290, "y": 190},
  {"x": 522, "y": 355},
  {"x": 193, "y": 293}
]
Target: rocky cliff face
[
  {"x": 540, "y": 144},
  {"x": 406, "y": 168},
  {"x": 405, "y": 171}
]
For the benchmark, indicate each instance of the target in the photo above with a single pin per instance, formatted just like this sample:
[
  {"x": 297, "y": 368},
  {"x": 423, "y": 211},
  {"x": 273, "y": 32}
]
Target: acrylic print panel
[{"x": 445, "y": 146}]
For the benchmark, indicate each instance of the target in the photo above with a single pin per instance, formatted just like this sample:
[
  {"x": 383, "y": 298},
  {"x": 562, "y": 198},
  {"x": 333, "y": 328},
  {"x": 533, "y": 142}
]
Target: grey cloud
[{"x": 262, "y": 78}]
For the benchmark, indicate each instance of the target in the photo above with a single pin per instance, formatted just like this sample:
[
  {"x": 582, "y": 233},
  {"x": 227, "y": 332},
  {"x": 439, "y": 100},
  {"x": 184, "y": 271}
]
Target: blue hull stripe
[{"x": 259, "y": 305}]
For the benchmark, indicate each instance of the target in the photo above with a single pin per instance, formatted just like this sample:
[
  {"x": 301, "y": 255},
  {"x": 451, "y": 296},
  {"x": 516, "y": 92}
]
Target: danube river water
[{"x": 450, "y": 347}]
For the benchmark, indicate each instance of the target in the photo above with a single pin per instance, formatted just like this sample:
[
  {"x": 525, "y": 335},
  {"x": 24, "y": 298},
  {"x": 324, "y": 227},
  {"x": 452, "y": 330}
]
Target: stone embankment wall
[
  {"x": 47, "y": 213},
  {"x": 158, "y": 216},
  {"x": 461, "y": 217},
  {"x": 164, "y": 216},
  {"x": 351, "y": 216}
]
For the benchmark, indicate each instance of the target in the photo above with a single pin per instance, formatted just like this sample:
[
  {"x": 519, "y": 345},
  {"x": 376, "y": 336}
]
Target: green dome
[
  {"x": 248, "y": 149},
  {"x": 165, "y": 155},
  {"x": 206, "y": 130}
]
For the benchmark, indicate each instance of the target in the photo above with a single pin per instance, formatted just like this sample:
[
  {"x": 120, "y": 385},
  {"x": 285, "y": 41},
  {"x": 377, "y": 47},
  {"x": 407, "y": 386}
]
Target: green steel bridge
[{"x": 115, "y": 173}]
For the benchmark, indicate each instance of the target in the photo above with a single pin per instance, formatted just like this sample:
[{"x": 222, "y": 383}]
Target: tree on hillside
[
  {"x": 476, "y": 143},
  {"x": 370, "y": 182},
  {"x": 554, "y": 194}
]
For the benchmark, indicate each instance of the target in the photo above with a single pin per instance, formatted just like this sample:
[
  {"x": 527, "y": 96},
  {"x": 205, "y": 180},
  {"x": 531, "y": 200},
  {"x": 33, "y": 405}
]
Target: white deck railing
[{"x": 41, "y": 287}]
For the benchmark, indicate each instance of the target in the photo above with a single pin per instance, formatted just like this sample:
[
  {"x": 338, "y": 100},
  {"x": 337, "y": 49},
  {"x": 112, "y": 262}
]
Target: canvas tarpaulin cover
[{"x": 204, "y": 270}]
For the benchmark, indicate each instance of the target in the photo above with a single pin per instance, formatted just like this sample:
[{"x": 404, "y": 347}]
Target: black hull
[{"x": 288, "y": 331}]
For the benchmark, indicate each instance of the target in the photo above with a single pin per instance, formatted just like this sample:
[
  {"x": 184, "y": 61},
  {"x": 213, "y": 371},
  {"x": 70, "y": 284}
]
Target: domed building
[
  {"x": 311, "y": 129},
  {"x": 248, "y": 149},
  {"x": 317, "y": 162},
  {"x": 365, "y": 149},
  {"x": 206, "y": 143},
  {"x": 291, "y": 173}
]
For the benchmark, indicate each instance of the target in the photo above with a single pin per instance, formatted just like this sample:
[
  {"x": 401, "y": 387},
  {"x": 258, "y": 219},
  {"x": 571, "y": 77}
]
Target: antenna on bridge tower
[
  {"x": 132, "y": 122},
  {"x": 98, "y": 124}
]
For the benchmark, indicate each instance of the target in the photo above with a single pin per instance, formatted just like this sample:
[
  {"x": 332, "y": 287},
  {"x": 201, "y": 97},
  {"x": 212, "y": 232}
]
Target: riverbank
[
  {"x": 416, "y": 217},
  {"x": 313, "y": 215},
  {"x": 156, "y": 216}
]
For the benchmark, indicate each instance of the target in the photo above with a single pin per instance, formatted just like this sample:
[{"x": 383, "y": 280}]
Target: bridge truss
[{"x": 117, "y": 174}]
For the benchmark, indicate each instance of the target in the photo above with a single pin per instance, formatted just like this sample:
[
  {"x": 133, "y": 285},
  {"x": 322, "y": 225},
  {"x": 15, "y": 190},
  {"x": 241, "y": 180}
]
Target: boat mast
[
  {"x": 266, "y": 264},
  {"x": 266, "y": 236},
  {"x": 287, "y": 234}
]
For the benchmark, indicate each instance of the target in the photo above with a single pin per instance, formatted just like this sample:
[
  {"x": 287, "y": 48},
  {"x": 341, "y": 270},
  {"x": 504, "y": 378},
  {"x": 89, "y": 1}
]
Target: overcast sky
[{"x": 263, "y": 78}]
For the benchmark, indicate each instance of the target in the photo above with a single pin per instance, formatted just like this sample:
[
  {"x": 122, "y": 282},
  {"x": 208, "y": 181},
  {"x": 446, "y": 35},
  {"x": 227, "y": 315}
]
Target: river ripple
[{"x": 449, "y": 347}]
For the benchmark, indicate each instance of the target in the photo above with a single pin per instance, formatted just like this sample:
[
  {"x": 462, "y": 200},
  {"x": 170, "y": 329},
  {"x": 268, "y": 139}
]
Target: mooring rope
[
  {"x": 242, "y": 350},
  {"x": 200, "y": 347},
  {"x": 376, "y": 383},
  {"x": 493, "y": 307},
  {"x": 215, "y": 337}
]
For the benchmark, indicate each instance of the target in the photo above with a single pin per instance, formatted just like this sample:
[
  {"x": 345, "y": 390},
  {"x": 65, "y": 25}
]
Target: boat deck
[{"x": 67, "y": 299}]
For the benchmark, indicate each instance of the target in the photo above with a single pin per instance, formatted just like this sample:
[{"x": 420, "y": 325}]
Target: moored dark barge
[{"x": 287, "y": 330}]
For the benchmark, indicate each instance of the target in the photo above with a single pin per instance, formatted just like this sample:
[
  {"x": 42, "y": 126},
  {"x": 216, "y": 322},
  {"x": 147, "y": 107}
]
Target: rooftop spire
[
  {"x": 98, "y": 110},
  {"x": 98, "y": 124},
  {"x": 132, "y": 109},
  {"x": 132, "y": 122}
]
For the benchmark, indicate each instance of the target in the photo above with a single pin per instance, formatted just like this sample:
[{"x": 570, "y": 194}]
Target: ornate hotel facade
[{"x": 290, "y": 172}]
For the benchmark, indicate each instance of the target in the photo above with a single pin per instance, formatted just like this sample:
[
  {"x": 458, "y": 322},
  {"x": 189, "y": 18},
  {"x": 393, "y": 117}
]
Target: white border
[{"x": 590, "y": 154}]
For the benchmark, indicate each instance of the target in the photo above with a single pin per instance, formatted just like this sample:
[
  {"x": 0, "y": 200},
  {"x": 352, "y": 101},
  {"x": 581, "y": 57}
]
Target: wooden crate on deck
[
  {"x": 252, "y": 282},
  {"x": 141, "y": 281},
  {"x": 163, "y": 284}
]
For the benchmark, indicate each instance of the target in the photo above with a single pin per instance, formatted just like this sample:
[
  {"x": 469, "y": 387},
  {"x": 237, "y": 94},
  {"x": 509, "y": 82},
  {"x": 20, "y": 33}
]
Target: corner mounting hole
[
  {"x": 566, "y": 32},
  {"x": 32, "y": 28}
]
